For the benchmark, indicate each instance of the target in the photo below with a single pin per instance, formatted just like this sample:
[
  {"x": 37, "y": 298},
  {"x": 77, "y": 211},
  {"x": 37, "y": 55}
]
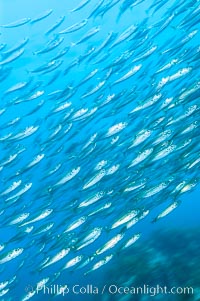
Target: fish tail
[{"x": 72, "y": 44}]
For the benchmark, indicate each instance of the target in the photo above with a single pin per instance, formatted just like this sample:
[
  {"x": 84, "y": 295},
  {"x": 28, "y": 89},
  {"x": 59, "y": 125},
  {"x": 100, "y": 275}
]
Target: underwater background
[{"x": 99, "y": 149}]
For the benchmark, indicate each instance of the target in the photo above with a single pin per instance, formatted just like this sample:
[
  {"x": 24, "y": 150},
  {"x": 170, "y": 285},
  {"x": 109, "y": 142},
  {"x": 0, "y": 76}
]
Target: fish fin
[
  {"x": 177, "y": 27},
  {"x": 107, "y": 229},
  {"x": 86, "y": 273},
  {"x": 118, "y": 17},
  {"x": 28, "y": 71},
  {"x": 72, "y": 44}
]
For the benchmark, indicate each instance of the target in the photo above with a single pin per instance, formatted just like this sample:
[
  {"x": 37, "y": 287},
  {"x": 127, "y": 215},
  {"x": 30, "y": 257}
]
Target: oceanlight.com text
[{"x": 149, "y": 290}]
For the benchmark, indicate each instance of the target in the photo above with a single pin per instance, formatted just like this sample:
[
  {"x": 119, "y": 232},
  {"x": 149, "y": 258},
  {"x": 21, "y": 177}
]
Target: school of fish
[{"x": 99, "y": 125}]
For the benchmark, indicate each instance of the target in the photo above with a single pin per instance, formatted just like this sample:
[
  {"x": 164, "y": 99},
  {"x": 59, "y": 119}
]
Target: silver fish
[
  {"x": 26, "y": 133},
  {"x": 131, "y": 241},
  {"x": 124, "y": 219},
  {"x": 91, "y": 200},
  {"x": 74, "y": 261},
  {"x": 19, "y": 193},
  {"x": 46, "y": 67},
  {"x": 12, "y": 57},
  {"x": 20, "y": 45},
  {"x": 89, "y": 239},
  {"x": 82, "y": 4},
  {"x": 56, "y": 25},
  {"x": 56, "y": 258},
  {"x": 42, "y": 16},
  {"x": 10, "y": 255},
  {"x": 76, "y": 224},
  {"x": 74, "y": 27},
  {"x": 95, "y": 179},
  {"x": 51, "y": 45},
  {"x": 96, "y": 9},
  {"x": 16, "y": 23},
  {"x": 69, "y": 176},
  {"x": 110, "y": 244},
  {"x": 167, "y": 210},
  {"x": 124, "y": 36},
  {"x": 100, "y": 263},
  {"x": 12, "y": 187},
  {"x": 43, "y": 215},
  {"x": 88, "y": 35},
  {"x": 16, "y": 87},
  {"x": 94, "y": 90},
  {"x": 128, "y": 74},
  {"x": 141, "y": 157}
]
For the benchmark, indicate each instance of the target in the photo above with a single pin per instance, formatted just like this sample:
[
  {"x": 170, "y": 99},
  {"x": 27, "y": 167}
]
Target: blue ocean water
[{"x": 99, "y": 127}]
